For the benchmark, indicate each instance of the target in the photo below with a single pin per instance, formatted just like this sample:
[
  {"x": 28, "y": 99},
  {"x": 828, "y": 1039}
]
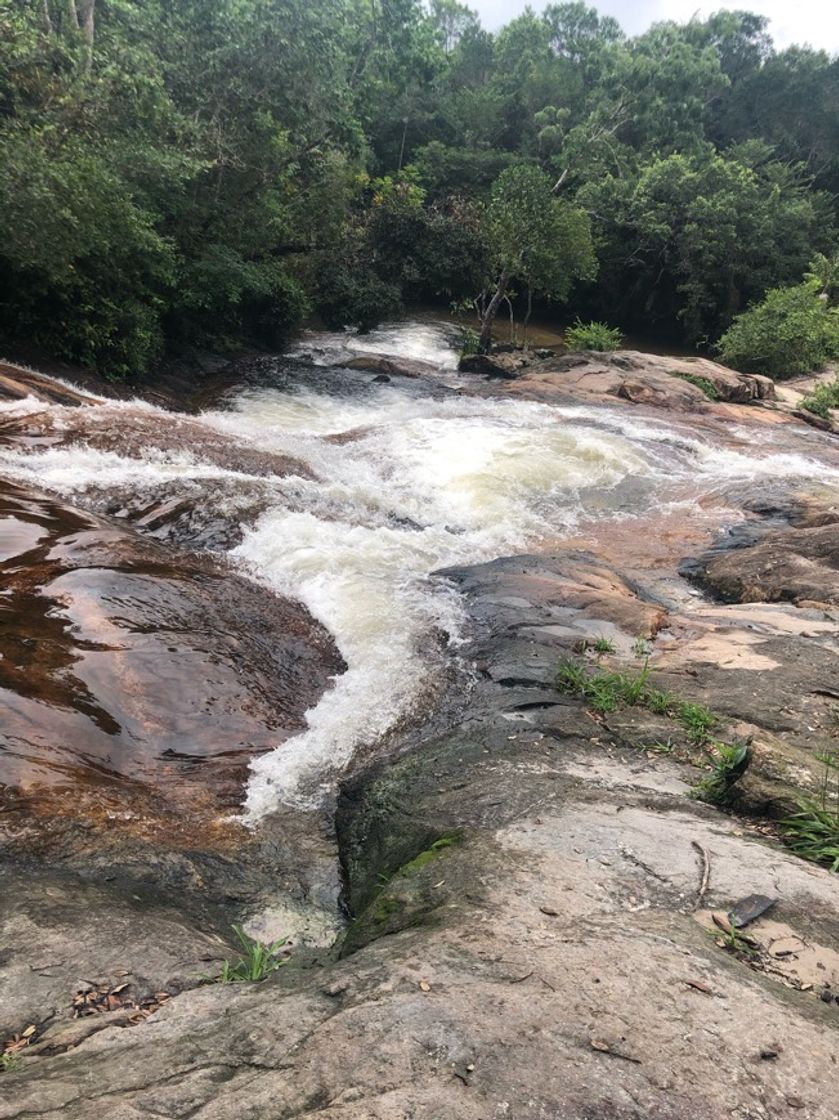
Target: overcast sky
[{"x": 792, "y": 21}]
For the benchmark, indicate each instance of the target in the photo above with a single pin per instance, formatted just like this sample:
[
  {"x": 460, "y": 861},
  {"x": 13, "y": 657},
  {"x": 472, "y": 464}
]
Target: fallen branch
[{"x": 706, "y": 873}]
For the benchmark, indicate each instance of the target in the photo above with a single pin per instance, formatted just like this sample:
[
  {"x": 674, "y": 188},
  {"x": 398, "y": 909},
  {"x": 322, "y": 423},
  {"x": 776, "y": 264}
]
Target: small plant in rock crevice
[
  {"x": 813, "y": 832},
  {"x": 9, "y": 1062},
  {"x": 257, "y": 962},
  {"x": 729, "y": 762},
  {"x": 735, "y": 942}
]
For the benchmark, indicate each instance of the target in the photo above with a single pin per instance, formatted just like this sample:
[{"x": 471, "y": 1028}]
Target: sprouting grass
[
  {"x": 607, "y": 691},
  {"x": 8, "y": 1062},
  {"x": 602, "y": 644},
  {"x": 728, "y": 764},
  {"x": 734, "y": 941},
  {"x": 703, "y": 383},
  {"x": 603, "y": 690},
  {"x": 258, "y": 961},
  {"x": 813, "y": 832},
  {"x": 697, "y": 720}
]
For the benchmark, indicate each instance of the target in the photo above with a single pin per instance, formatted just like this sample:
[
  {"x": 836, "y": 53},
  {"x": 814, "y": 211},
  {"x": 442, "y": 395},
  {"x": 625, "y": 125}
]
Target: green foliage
[
  {"x": 813, "y": 832},
  {"x": 606, "y": 691},
  {"x": 9, "y": 1062},
  {"x": 205, "y": 172},
  {"x": 792, "y": 331},
  {"x": 707, "y": 387},
  {"x": 257, "y": 962},
  {"x": 697, "y": 720},
  {"x": 721, "y": 228},
  {"x": 469, "y": 342},
  {"x": 602, "y": 644},
  {"x": 535, "y": 238},
  {"x": 822, "y": 399},
  {"x": 593, "y": 336},
  {"x": 729, "y": 762}
]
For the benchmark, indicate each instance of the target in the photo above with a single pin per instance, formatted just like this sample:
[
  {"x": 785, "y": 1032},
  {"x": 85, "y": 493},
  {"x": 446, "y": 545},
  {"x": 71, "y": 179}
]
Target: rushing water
[{"x": 406, "y": 478}]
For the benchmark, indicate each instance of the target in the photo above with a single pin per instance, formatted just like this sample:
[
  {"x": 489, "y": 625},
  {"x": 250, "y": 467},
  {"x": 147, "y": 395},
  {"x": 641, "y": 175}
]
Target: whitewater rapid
[{"x": 405, "y": 482}]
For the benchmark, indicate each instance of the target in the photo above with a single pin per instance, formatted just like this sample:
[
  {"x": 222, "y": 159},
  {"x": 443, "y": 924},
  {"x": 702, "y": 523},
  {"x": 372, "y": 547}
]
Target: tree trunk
[
  {"x": 45, "y": 9},
  {"x": 491, "y": 310},
  {"x": 527, "y": 315},
  {"x": 86, "y": 26},
  {"x": 72, "y": 15}
]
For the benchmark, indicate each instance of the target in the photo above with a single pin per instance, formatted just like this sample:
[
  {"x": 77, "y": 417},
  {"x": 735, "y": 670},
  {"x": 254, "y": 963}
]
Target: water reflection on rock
[{"x": 137, "y": 682}]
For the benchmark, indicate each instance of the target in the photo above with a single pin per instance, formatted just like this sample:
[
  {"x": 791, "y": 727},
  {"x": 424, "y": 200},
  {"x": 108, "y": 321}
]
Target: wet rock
[
  {"x": 390, "y": 367},
  {"x": 498, "y": 365},
  {"x": 17, "y": 383},
  {"x": 137, "y": 682},
  {"x": 650, "y": 379}
]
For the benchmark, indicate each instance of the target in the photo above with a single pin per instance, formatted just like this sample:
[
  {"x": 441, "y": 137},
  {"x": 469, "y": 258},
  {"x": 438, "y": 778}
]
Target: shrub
[
  {"x": 822, "y": 399},
  {"x": 593, "y": 336},
  {"x": 792, "y": 331}
]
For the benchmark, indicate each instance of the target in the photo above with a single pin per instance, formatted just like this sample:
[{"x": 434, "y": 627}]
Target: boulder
[{"x": 789, "y": 565}]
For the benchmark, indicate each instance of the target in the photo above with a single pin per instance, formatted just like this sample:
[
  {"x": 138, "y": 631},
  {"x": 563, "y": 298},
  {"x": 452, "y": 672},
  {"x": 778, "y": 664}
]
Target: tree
[
  {"x": 535, "y": 239},
  {"x": 792, "y": 331},
  {"x": 694, "y": 239}
]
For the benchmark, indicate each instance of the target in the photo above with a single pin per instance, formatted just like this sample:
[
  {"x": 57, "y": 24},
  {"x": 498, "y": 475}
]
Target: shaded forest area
[{"x": 207, "y": 172}]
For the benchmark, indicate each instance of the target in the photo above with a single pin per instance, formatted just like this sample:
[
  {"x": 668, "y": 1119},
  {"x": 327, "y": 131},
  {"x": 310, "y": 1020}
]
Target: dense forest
[{"x": 202, "y": 172}]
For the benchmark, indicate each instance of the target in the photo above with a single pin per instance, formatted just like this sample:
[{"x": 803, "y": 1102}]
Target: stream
[{"x": 344, "y": 493}]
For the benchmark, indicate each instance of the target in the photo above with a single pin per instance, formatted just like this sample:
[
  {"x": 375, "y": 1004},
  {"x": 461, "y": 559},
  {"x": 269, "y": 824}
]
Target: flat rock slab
[{"x": 137, "y": 682}]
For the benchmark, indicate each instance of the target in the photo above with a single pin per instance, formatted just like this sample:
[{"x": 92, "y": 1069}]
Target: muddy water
[{"x": 328, "y": 501}]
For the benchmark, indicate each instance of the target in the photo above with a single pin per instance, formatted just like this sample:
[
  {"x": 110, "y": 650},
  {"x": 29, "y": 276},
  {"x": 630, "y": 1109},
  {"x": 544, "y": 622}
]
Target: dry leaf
[
  {"x": 424, "y": 986},
  {"x": 599, "y": 1044},
  {"x": 30, "y": 1030}
]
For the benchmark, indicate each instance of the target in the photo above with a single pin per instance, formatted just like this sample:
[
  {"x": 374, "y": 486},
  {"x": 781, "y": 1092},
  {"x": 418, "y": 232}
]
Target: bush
[
  {"x": 792, "y": 331},
  {"x": 822, "y": 399},
  {"x": 593, "y": 336}
]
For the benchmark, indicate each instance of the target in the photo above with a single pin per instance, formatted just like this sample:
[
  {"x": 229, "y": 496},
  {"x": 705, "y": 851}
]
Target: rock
[
  {"x": 495, "y": 365},
  {"x": 390, "y": 367},
  {"x": 147, "y": 677},
  {"x": 790, "y": 565},
  {"x": 662, "y": 382}
]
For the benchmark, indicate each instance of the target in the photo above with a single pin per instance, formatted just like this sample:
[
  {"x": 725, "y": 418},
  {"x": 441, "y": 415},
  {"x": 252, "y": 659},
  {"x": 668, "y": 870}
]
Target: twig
[{"x": 706, "y": 873}]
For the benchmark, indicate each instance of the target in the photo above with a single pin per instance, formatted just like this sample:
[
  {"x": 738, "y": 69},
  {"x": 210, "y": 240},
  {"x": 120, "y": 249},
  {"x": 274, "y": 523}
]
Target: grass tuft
[
  {"x": 813, "y": 832},
  {"x": 258, "y": 961},
  {"x": 729, "y": 762}
]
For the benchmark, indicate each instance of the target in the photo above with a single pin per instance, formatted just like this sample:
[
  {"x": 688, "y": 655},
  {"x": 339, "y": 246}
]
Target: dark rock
[{"x": 790, "y": 565}]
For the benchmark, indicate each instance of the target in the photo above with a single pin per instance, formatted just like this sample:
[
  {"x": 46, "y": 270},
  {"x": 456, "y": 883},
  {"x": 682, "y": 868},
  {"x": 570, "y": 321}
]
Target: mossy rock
[{"x": 407, "y": 899}]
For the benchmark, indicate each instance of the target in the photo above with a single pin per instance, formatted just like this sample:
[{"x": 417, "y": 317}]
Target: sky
[{"x": 815, "y": 22}]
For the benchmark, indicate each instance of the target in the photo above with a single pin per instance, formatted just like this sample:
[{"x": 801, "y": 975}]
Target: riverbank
[{"x": 527, "y": 878}]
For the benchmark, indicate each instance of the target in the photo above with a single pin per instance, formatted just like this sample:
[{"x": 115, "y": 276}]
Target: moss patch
[
  {"x": 703, "y": 383},
  {"x": 405, "y": 899}
]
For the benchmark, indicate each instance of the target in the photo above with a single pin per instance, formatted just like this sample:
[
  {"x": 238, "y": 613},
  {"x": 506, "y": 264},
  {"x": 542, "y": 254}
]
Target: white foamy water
[{"x": 415, "y": 483}]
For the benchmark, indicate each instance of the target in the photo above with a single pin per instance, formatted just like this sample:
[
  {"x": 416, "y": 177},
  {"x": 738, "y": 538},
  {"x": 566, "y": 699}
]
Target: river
[{"x": 401, "y": 479}]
